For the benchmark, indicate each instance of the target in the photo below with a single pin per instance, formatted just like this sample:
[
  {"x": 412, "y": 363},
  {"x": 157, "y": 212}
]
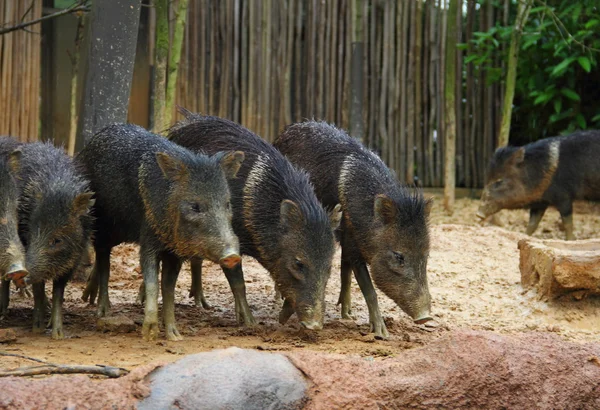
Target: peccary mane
[
  {"x": 48, "y": 172},
  {"x": 338, "y": 146},
  {"x": 283, "y": 180}
]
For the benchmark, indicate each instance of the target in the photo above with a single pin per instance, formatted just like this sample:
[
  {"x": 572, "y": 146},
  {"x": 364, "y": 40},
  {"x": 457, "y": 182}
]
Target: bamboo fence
[
  {"x": 20, "y": 70},
  {"x": 267, "y": 63}
]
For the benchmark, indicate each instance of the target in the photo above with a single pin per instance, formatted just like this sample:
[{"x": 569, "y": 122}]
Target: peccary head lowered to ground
[
  {"x": 277, "y": 217},
  {"x": 12, "y": 254},
  {"x": 384, "y": 224}
]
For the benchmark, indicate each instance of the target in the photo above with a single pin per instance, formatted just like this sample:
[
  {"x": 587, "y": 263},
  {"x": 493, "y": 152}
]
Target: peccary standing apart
[
  {"x": 277, "y": 217},
  {"x": 549, "y": 172},
  {"x": 384, "y": 225},
  {"x": 54, "y": 223},
  {"x": 174, "y": 203},
  {"x": 12, "y": 254}
]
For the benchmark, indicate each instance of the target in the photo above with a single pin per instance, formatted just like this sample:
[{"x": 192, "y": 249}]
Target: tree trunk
[
  {"x": 180, "y": 16},
  {"x": 450, "y": 109},
  {"x": 75, "y": 75},
  {"x": 511, "y": 76},
  {"x": 161, "y": 55},
  {"x": 109, "y": 66},
  {"x": 356, "y": 77}
]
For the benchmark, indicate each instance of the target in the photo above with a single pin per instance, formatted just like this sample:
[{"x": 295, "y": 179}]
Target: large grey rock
[{"x": 227, "y": 379}]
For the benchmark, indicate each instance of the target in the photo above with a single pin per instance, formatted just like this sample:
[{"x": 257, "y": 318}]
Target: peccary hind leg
[
  {"x": 171, "y": 265},
  {"x": 91, "y": 288},
  {"x": 39, "y": 307},
  {"x": 346, "y": 290},
  {"x": 103, "y": 274},
  {"x": 535, "y": 216},
  {"x": 196, "y": 290},
  {"x": 235, "y": 277}
]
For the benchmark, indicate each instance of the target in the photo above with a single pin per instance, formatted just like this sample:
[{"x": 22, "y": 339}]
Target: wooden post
[
  {"x": 450, "y": 111},
  {"x": 356, "y": 76},
  {"x": 112, "y": 41}
]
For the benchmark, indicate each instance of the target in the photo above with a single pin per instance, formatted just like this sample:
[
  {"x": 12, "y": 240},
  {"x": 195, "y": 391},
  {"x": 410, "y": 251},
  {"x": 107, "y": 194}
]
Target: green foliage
[{"x": 558, "y": 74}]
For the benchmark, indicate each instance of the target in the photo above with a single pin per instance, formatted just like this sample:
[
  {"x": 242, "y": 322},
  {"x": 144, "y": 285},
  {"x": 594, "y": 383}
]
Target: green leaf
[
  {"x": 543, "y": 98},
  {"x": 570, "y": 94},
  {"x": 596, "y": 118},
  {"x": 557, "y": 105},
  {"x": 581, "y": 121},
  {"x": 584, "y": 62},
  {"x": 562, "y": 67},
  {"x": 592, "y": 23}
]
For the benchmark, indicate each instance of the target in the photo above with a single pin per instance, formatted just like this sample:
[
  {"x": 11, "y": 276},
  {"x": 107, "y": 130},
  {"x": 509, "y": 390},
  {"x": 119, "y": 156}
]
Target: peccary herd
[{"x": 214, "y": 190}]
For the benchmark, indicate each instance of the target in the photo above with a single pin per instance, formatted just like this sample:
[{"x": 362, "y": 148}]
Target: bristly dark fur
[
  {"x": 334, "y": 147},
  {"x": 281, "y": 181}
]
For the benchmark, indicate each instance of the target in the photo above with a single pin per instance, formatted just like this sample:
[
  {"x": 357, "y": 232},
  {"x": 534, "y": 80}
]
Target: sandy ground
[{"x": 474, "y": 281}]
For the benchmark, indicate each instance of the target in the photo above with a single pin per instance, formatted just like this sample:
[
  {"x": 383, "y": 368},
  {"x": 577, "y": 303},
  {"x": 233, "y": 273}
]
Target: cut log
[{"x": 555, "y": 268}]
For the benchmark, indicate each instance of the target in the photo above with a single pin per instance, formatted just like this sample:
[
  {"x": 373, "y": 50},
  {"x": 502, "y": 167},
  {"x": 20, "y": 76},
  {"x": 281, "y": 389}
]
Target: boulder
[{"x": 555, "y": 268}]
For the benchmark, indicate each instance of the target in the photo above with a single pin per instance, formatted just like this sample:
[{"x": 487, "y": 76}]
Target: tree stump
[{"x": 556, "y": 268}]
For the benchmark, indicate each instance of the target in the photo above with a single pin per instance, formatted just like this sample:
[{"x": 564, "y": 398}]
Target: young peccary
[
  {"x": 54, "y": 223},
  {"x": 550, "y": 172},
  {"x": 12, "y": 254},
  {"x": 174, "y": 203},
  {"x": 383, "y": 225},
  {"x": 277, "y": 217}
]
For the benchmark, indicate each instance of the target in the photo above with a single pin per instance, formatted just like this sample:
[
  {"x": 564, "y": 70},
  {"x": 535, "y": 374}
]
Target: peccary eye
[
  {"x": 497, "y": 183},
  {"x": 399, "y": 258},
  {"x": 298, "y": 264},
  {"x": 198, "y": 208},
  {"x": 55, "y": 242}
]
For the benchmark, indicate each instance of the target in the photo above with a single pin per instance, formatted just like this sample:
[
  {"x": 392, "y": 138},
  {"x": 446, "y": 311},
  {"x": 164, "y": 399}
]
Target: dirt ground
[{"x": 474, "y": 281}]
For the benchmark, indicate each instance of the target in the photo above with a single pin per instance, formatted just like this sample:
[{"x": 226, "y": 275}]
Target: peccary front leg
[
  {"x": 196, "y": 290},
  {"x": 91, "y": 289},
  {"x": 149, "y": 264},
  {"x": 235, "y": 277},
  {"x": 287, "y": 310},
  {"x": 102, "y": 268},
  {"x": 4, "y": 297},
  {"x": 171, "y": 265},
  {"x": 346, "y": 290},
  {"x": 58, "y": 291},
  {"x": 536, "y": 213},
  {"x": 363, "y": 278},
  {"x": 39, "y": 307}
]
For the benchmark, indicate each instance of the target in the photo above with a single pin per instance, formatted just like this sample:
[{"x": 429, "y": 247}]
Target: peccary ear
[
  {"x": 231, "y": 163},
  {"x": 385, "y": 208},
  {"x": 335, "y": 217},
  {"x": 171, "y": 167},
  {"x": 290, "y": 214},
  {"x": 82, "y": 203},
  {"x": 428, "y": 206},
  {"x": 518, "y": 156},
  {"x": 14, "y": 161}
]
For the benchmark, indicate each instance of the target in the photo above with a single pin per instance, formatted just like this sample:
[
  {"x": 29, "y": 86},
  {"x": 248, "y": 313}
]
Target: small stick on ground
[
  {"x": 24, "y": 357},
  {"x": 49, "y": 368}
]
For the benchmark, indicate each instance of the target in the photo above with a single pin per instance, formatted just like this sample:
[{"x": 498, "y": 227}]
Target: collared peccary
[
  {"x": 549, "y": 172},
  {"x": 54, "y": 223},
  {"x": 276, "y": 215},
  {"x": 174, "y": 203},
  {"x": 12, "y": 254},
  {"x": 384, "y": 225}
]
